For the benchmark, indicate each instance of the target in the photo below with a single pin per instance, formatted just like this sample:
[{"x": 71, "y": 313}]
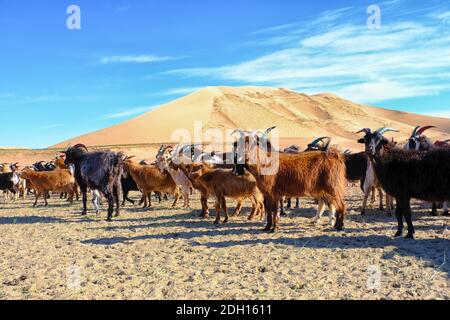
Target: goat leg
[
  {"x": 117, "y": 200},
  {"x": 238, "y": 209},
  {"x": 269, "y": 207},
  {"x": 36, "y": 197},
  {"x": 217, "y": 206},
  {"x": 84, "y": 192},
  {"x": 204, "y": 202},
  {"x": 399, "y": 216},
  {"x": 225, "y": 210},
  {"x": 434, "y": 210},
  {"x": 445, "y": 209}
]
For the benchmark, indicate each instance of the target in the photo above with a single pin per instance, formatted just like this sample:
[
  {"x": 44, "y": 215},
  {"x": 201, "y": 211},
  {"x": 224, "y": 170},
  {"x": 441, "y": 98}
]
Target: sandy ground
[{"x": 53, "y": 253}]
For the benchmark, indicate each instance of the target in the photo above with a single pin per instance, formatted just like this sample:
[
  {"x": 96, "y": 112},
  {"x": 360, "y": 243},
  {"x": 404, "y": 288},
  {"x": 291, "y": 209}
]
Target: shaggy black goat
[
  {"x": 100, "y": 171},
  {"x": 407, "y": 174},
  {"x": 43, "y": 166},
  {"x": 128, "y": 184},
  {"x": 9, "y": 182}
]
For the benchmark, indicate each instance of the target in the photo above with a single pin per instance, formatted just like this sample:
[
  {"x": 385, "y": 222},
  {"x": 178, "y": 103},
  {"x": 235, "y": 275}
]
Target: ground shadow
[{"x": 29, "y": 220}]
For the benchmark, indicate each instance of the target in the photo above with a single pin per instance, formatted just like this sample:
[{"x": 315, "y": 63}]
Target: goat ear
[{"x": 363, "y": 141}]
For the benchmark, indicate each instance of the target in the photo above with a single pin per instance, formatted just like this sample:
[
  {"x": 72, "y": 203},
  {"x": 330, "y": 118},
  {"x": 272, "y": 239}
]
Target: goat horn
[
  {"x": 423, "y": 129},
  {"x": 315, "y": 142},
  {"x": 385, "y": 130},
  {"x": 365, "y": 130},
  {"x": 414, "y": 133},
  {"x": 80, "y": 145},
  {"x": 269, "y": 130}
]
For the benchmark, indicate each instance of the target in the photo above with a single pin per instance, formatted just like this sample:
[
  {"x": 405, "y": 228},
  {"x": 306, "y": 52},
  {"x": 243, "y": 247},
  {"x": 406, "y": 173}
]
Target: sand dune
[{"x": 299, "y": 117}]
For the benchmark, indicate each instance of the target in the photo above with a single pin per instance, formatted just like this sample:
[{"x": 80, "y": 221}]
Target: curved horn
[
  {"x": 80, "y": 146},
  {"x": 163, "y": 150},
  {"x": 423, "y": 129},
  {"x": 414, "y": 133},
  {"x": 385, "y": 130},
  {"x": 327, "y": 144},
  {"x": 365, "y": 130},
  {"x": 315, "y": 142},
  {"x": 269, "y": 130}
]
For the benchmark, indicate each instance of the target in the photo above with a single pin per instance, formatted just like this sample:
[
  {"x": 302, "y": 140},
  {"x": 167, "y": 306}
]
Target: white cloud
[
  {"x": 443, "y": 16},
  {"x": 406, "y": 58},
  {"x": 128, "y": 112},
  {"x": 134, "y": 59}
]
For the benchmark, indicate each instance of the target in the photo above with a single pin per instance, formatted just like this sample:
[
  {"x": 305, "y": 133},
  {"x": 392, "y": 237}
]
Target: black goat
[
  {"x": 100, "y": 171},
  {"x": 42, "y": 166},
  {"x": 407, "y": 174},
  {"x": 9, "y": 182},
  {"x": 128, "y": 184},
  {"x": 356, "y": 166}
]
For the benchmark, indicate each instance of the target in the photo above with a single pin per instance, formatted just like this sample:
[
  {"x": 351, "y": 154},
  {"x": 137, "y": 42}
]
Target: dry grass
[{"x": 173, "y": 254}]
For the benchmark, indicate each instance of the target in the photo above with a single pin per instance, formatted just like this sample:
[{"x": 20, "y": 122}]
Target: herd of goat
[{"x": 420, "y": 169}]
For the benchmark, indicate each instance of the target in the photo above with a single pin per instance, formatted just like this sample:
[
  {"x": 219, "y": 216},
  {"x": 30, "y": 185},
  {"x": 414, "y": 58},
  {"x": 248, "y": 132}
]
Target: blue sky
[{"x": 133, "y": 55}]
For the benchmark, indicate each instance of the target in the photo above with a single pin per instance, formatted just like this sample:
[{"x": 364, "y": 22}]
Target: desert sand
[
  {"x": 300, "y": 118},
  {"x": 162, "y": 253}
]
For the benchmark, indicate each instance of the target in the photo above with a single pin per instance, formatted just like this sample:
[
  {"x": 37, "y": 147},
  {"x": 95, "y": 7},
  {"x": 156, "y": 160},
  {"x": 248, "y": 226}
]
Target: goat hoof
[
  {"x": 267, "y": 228},
  {"x": 398, "y": 234},
  {"x": 225, "y": 221},
  {"x": 433, "y": 214},
  {"x": 446, "y": 214},
  {"x": 216, "y": 222},
  {"x": 410, "y": 236}
]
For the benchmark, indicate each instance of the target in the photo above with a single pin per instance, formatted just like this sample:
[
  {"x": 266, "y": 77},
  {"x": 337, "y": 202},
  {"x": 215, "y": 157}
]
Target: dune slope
[{"x": 299, "y": 117}]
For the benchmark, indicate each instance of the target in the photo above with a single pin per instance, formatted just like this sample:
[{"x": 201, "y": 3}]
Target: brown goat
[
  {"x": 204, "y": 192},
  {"x": 321, "y": 175},
  {"x": 59, "y": 162},
  {"x": 224, "y": 183},
  {"x": 150, "y": 179},
  {"x": 59, "y": 180}
]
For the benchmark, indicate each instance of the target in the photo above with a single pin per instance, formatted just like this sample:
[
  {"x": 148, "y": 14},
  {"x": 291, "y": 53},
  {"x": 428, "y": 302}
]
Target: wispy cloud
[
  {"x": 128, "y": 112},
  {"x": 443, "y": 16},
  {"x": 5, "y": 94},
  {"x": 407, "y": 57},
  {"x": 135, "y": 59}
]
